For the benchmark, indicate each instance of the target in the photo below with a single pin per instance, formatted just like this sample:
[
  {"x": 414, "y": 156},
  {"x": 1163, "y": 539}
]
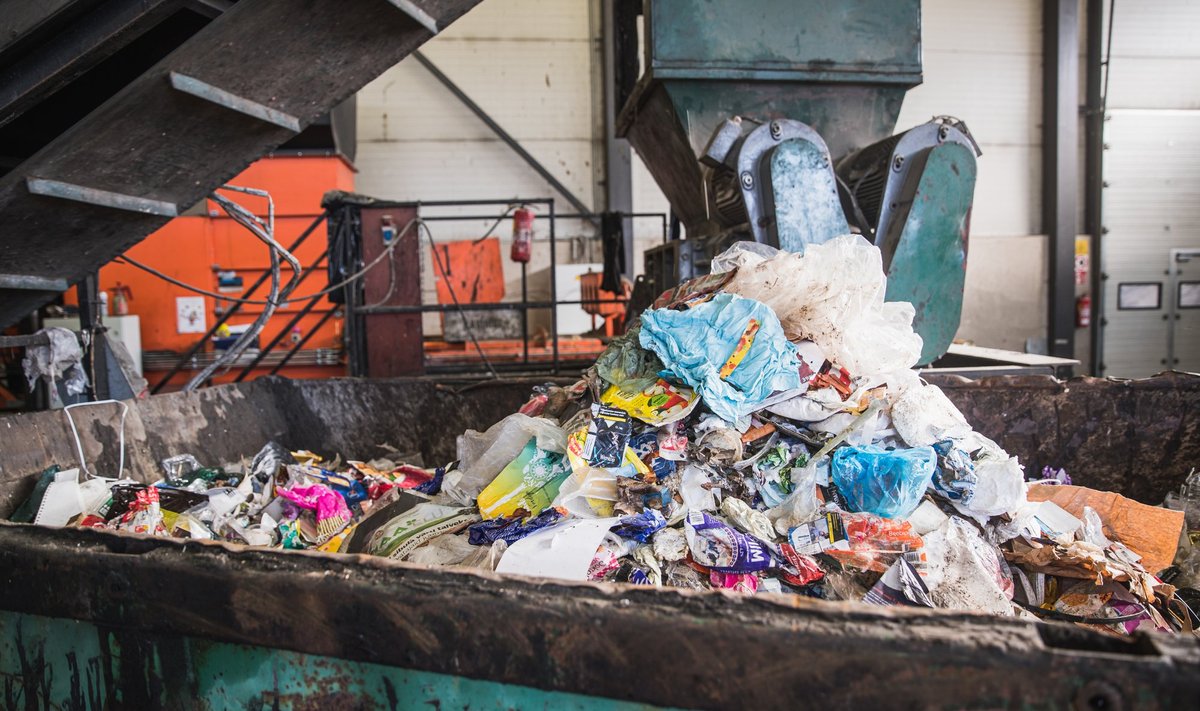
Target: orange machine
[{"x": 197, "y": 249}]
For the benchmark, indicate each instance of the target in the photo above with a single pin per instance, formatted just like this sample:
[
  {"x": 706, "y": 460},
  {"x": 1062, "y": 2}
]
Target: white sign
[{"x": 189, "y": 314}]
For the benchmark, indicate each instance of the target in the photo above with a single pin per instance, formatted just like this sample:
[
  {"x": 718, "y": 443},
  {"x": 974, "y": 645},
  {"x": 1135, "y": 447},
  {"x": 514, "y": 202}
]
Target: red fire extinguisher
[
  {"x": 1083, "y": 311},
  {"x": 522, "y": 241}
]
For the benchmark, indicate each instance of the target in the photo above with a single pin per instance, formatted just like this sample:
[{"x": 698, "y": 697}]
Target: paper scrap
[
  {"x": 1150, "y": 531},
  {"x": 564, "y": 551}
]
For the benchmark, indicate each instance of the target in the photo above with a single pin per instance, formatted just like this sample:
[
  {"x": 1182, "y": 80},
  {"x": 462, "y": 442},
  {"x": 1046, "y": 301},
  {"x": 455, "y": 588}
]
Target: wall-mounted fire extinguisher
[
  {"x": 522, "y": 241},
  {"x": 1083, "y": 311}
]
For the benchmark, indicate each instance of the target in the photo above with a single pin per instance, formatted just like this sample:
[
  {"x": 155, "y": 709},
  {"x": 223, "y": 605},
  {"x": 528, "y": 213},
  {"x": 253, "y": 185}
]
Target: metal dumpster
[{"x": 92, "y": 619}]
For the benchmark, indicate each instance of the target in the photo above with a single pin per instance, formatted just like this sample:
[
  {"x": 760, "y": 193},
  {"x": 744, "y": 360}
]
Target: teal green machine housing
[{"x": 773, "y": 121}]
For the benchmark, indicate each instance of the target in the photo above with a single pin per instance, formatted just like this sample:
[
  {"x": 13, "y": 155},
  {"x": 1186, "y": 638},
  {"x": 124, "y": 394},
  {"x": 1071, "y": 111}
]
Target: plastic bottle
[{"x": 1190, "y": 494}]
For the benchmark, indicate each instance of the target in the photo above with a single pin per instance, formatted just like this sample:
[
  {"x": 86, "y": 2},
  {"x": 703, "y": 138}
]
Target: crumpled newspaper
[{"x": 62, "y": 359}]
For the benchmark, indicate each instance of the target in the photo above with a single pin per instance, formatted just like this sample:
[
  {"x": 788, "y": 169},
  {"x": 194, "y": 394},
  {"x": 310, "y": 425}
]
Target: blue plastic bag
[
  {"x": 640, "y": 527},
  {"x": 885, "y": 482},
  {"x": 731, "y": 349}
]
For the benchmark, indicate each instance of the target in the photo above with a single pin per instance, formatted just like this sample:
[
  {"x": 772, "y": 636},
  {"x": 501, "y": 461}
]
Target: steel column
[
  {"x": 1060, "y": 153},
  {"x": 618, "y": 166},
  {"x": 1094, "y": 176},
  {"x": 96, "y": 353}
]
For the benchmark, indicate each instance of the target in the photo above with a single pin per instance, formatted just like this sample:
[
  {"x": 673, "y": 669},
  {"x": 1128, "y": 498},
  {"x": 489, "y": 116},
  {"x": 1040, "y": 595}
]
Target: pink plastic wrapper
[
  {"x": 737, "y": 582},
  {"x": 325, "y": 501}
]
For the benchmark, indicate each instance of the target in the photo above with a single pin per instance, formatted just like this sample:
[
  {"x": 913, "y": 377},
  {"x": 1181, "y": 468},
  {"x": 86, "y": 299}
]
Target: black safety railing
[
  {"x": 263, "y": 358},
  {"x": 524, "y": 306},
  {"x": 224, "y": 317}
]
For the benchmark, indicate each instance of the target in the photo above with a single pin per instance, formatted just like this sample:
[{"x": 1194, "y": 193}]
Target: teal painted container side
[
  {"x": 878, "y": 40},
  {"x": 929, "y": 264},
  {"x": 52, "y": 663}
]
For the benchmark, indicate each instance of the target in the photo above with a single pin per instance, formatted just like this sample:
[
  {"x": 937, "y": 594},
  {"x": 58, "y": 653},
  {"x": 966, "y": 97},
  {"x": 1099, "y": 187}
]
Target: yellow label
[{"x": 743, "y": 347}]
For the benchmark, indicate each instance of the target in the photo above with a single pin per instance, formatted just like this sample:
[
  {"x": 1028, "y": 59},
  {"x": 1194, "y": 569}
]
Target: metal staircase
[{"x": 116, "y": 116}]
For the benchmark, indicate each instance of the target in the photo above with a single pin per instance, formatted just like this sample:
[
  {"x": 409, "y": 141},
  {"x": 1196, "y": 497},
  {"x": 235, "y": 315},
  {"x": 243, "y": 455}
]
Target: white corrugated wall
[{"x": 1151, "y": 200}]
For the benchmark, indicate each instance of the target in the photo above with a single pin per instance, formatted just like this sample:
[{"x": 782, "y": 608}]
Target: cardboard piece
[{"x": 1150, "y": 531}]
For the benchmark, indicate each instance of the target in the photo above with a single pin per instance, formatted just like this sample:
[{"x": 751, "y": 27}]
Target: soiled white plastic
[
  {"x": 963, "y": 572},
  {"x": 696, "y": 497},
  {"x": 801, "y": 506},
  {"x": 482, "y": 455},
  {"x": 447, "y": 549},
  {"x": 746, "y": 519},
  {"x": 1000, "y": 488},
  {"x": 583, "y": 484},
  {"x": 742, "y": 254},
  {"x": 832, "y": 295},
  {"x": 924, "y": 416}
]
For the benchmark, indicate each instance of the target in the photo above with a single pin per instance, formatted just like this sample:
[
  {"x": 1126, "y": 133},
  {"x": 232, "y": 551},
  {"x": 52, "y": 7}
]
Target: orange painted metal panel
[{"x": 473, "y": 270}]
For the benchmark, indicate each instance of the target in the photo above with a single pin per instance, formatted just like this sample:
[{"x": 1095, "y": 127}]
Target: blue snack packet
[
  {"x": 510, "y": 530},
  {"x": 641, "y": 526}
]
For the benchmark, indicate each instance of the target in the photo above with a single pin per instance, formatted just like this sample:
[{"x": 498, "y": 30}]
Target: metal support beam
[
  {"x": 35, "y": 283},
  {"x": 506, "y": 137},
  {"x": 1060, "y": 153},
  {"x": 82, "y": 45},
  {"x": 618, "y": 165},
  {"x": 233, "y": 102},
  {"x": 24, "y": 341},
  {"x": 410, "y": 8},
  {"x": 209, "y": 8},
  {"x": 103, "y": 198},
  {"x": 1097, "y": 59}
]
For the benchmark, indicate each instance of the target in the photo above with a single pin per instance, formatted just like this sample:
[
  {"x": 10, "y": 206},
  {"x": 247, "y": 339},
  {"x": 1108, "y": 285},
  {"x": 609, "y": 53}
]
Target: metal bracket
[
  {"x": 104, "y": 198},
  {"x": 233, "y": 102},
  {"x": 408, "y": 7}
]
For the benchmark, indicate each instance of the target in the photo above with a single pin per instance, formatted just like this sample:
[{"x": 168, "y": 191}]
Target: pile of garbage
[{"x": 758, "y": 430}]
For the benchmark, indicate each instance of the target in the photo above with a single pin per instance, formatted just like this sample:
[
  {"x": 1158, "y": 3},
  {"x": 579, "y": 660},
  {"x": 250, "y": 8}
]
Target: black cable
[
  {"x": 1066, "y": 617},
  {"x": 506, "y": 213}
]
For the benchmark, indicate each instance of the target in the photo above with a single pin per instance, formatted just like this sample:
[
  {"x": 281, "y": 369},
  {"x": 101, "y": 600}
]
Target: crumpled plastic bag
[
  {"x": 887, "y": 483},
  {"x": 62, "y": 359},
  {"x": 979, "y": 478},
  {"x": 695, "y": 488},
  {"x": 511, "y": 529},
  {"x": 448, "y": 549},
  {"x": 640, "y": 527},
  {"x": 963, "y": 571},
  {"x": 741, "y": 254},
  {"x": 589, "y": 492},
  {"x": 747, "y": 520},
  {"x": 269, "y": 459},
  {"x": 482, "y": 455},
  {"x": 802, "y": 505},
  {"x": 924, "y": 416},
  {"x": 731, "y": 349},
  {"x": 1000, "y": 488},
  {"x": 833, "y": 295},
  {"x": 626, "y": 364}
]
